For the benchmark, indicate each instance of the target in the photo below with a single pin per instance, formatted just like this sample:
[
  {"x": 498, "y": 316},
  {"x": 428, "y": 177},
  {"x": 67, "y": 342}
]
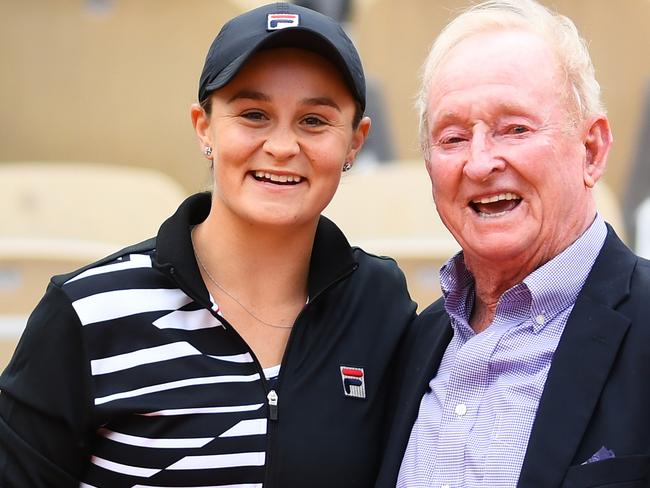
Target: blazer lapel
[{"x": 581, "y": 364}]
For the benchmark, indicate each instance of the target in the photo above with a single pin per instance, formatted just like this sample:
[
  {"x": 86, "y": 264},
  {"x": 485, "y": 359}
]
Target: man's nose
[
  {"x": 482, "y": 160},
  {"x": 282, "y": 143}
]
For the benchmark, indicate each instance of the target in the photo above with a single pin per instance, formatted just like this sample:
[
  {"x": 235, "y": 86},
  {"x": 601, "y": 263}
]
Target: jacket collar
[{"x": 331, "y": 257}]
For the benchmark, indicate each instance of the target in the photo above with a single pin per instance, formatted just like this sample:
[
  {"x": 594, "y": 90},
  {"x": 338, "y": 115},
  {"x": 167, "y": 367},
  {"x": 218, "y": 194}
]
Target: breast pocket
[{"x": 621, "y": 472}]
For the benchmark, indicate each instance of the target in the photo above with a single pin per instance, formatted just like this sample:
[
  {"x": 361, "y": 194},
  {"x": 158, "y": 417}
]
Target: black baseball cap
[{"x": 280, "y": 25}]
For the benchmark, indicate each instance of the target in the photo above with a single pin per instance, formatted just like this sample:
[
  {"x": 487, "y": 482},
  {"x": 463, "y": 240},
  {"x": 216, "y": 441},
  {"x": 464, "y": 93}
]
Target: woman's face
[{"x": 280, "y": 131}]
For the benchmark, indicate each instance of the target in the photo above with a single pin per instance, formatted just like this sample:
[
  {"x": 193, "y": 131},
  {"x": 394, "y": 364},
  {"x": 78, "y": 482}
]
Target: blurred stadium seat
[
  {"x": 610, "y": 208},
  {"x": 59, "y": 216}
]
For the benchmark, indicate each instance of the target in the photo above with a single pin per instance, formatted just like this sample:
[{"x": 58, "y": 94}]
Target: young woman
[{"x": 247, "y": 344}]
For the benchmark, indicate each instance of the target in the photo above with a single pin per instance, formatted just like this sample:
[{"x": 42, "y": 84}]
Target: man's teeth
[
  {"x": 496, "y": 198},
  {"x": 492, "y": 215},
  {"x": 278, "y": 178}
]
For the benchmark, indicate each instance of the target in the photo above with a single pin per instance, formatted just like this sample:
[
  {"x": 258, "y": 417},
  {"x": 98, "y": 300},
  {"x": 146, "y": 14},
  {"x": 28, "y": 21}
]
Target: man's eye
[
  {"x": 518, "y": 129},
  {"x": 451, "y": 140}
]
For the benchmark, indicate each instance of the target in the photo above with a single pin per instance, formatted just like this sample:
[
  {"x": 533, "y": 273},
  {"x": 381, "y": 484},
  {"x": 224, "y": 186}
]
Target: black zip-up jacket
[{"x": 126, "y": 375}]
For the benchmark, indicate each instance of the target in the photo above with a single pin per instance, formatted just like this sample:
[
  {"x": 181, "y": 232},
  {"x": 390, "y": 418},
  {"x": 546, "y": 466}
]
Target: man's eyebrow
[
  {"x": 451, "y": 116},
  {"x": 512, "y": 108},
  {"x": 447, "y": 117},
  {"x": 250, "y": 94},
  {"x": 320, "y": 101}
]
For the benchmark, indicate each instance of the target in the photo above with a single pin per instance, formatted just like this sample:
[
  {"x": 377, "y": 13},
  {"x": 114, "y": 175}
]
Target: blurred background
[{"x": 96, "y": 144}]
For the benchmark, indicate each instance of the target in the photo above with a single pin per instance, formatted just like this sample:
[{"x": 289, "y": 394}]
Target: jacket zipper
[
  {"x": 273, "y": 397},
  {"x": 273, "y": 404}
]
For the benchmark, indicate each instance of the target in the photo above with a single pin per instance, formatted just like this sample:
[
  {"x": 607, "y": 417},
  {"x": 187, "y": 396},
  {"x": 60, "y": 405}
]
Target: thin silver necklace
[{"x": 216, "y": 283}]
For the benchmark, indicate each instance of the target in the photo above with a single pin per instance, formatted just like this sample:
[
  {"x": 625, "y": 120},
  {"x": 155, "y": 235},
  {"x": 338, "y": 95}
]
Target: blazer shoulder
[
  {"x": 639, "y": 288},
  {"x": 431, "y": 323},
  {"x": 433, "y": 313},
  {"x": 643, "y": 268}
]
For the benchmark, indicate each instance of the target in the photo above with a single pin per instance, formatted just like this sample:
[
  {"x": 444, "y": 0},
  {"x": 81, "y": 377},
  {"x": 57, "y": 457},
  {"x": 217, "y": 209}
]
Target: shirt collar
[
  {"x": 555, "y": 285},
  {"x": 549, "y": 289}
]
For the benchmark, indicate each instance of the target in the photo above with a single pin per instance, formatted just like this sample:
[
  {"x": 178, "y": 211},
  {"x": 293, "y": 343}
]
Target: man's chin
[{"x": 499, "y": 250}]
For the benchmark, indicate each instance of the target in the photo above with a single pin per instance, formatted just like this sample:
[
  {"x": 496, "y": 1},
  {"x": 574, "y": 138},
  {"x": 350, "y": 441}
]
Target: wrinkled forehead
[
  {"x": 503, "y": 68},
  {"x": 512, "y": 56}
]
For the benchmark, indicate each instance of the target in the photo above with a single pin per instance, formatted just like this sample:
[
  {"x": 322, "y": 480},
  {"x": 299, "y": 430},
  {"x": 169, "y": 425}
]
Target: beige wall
[
  {"x": 116, "y": 86},
  {"x": 111, "y": 86}
]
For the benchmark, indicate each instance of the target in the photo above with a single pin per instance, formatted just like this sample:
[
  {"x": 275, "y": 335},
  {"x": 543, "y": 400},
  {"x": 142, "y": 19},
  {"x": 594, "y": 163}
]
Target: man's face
[{"x": 506, "y": 159}]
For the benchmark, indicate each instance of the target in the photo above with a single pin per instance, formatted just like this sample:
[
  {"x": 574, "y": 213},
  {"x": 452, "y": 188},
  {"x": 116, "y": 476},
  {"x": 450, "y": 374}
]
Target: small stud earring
[
  {"x": 207, "y": 151},
  {"x": 347, "y": 166}
]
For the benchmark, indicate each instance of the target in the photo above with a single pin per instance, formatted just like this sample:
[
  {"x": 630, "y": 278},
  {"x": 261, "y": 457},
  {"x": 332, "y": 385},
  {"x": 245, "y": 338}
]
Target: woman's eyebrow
[
  {"x": 250, "y": 94},
  {"x": 313, "y": 101},
  {"x": 257, "y": 95}
]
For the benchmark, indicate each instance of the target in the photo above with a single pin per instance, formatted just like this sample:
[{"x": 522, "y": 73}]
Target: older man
[{"x": 534, "y": 369}]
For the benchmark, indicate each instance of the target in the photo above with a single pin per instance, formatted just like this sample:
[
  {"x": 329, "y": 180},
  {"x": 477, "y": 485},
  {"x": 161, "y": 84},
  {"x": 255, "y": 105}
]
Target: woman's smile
[{"x": 282, "y": 179}]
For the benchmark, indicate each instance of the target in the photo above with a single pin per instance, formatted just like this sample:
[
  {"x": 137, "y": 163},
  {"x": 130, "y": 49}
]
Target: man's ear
[
  {"x": 358, "y": 138},
  {"x": 597, "y": 141},
  {"x": 427, "y": 163},
  {"x": 201, "y": 124}
]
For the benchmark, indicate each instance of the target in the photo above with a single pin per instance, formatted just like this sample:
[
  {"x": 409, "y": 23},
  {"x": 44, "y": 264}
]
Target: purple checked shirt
[{"x": 473, "y": 425}]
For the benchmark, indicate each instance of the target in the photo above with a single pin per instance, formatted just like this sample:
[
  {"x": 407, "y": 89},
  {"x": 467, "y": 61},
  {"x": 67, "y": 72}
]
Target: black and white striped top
[{"x": 184, "y": 396}]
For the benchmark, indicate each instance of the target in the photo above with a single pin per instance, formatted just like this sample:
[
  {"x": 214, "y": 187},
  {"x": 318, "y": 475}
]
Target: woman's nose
[{"x": 282, "y": 143}]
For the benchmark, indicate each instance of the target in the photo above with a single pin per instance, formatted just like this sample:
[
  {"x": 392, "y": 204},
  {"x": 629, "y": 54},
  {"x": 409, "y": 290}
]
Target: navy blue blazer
[{"x": 597, "y": 392}]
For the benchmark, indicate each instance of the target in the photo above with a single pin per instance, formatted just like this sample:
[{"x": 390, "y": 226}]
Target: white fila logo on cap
[{"x": 281, "y": 21}]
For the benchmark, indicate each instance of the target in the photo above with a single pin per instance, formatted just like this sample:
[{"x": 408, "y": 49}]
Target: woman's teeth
[{"x": 264, "y": 176}]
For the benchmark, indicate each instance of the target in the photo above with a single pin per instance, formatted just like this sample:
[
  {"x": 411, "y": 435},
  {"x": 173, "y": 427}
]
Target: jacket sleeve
[{"x": 45, "y": 405}]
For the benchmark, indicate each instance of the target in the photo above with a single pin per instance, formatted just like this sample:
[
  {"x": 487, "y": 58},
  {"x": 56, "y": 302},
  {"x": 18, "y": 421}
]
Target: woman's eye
[
  {"x": 313, "y": 121},
  {"x": 254, "y": 115}
]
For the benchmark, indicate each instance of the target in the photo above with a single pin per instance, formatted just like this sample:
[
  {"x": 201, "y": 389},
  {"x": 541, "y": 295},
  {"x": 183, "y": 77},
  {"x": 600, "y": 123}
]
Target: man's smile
[{"x": 495, "y": 205}]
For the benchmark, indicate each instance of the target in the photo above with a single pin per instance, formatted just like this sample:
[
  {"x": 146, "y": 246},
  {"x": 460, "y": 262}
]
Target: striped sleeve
[{"x": 45, "y": 400}]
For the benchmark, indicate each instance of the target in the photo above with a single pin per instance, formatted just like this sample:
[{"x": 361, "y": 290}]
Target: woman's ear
[
  {"x": 201, "y": 124},
  {"x": 597, "y": 141},
  {"x": 358, "y": 138}
]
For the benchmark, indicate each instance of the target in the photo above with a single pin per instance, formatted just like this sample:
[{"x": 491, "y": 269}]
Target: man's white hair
[{"x": 528, "y": 15}]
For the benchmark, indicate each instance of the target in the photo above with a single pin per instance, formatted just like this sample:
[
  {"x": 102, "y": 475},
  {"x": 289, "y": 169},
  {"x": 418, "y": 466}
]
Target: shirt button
[
  {"x": 461, "y": 409},
  {"x": 540, "y": 319}
]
